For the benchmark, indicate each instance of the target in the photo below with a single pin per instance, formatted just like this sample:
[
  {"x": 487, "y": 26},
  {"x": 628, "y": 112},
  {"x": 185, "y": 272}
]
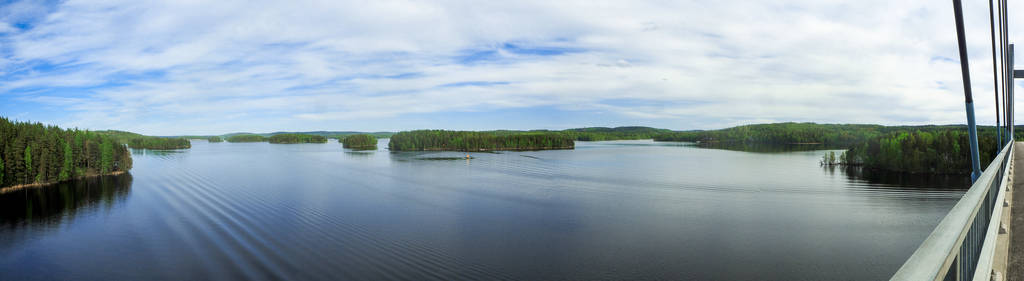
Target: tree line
[
  {"x": 359, "y": 141},
  {"x": 138, "y": 141},
  {"x": 246, "y": 138},
  {"x": 617, "y": 133},
  {"x": 33, "y": 153},
  {"x": 941, "y": 152},
  {"x": 784, "y": 133},
  {"x": 213, "y": 139},
  {"x": 296, "y": 138},
  {"x": 478, "y": 141}
]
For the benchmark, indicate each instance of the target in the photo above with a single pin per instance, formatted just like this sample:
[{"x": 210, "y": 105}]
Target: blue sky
[{"x": 212, "y": 67}]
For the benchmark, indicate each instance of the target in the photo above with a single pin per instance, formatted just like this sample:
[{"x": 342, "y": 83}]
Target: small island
[
  {"x": 359, "y": 141},
  {"x": 441, "y": 140},
  {"x": 215, "y": 139},
  {"x": 246, "y": 138},
  {"x": 297, "y": 138}
]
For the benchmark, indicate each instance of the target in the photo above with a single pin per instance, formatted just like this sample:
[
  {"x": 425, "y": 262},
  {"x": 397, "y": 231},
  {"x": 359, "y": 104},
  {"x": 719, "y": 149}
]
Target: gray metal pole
[
  {"x": 995, "y": 71},
  {"x": 972, "y": 129},
  {"x": 1009, "y": 103}
]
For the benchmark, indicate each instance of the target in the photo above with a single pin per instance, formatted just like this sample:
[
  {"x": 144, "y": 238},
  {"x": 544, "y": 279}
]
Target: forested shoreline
[
  {"x": 33, "y": 153},
  {"x": 937, "y": 152},
  {"x": 937, "y": 149},
  {"x": 246, "y": 138},
  {"x": 359, "y": 141},
  {"x": 438, "y": 140},
  {"x": 915, "y": 149},
  {"x": 138, "y": 141},
  {"x": 296, "y": 138}
]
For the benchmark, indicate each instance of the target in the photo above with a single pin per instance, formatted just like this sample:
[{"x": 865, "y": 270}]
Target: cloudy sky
[{"x": 212, "y": 67}]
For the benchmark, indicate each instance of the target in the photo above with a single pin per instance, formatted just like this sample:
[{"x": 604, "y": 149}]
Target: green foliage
[
  {"x": 159, "y": 143},
  {"x": 138, "y": 141},
  {"x": 341, "y": 135},
  {"x": 28, "y": 163},
  {"x": 66, "y": 169},
  {"x": 922, "y": 151},
  {"x": 360, "y": 141},
  {"x": 33, "y": 152},
  {"x": 478, "y": 141},
  {"x": 617, "y": 133},
  {"x": 106, "y": 156},
  {"x": 783, "y": 133},
  {"x": 297, "y": 138},
  {"x": 215, "y": 139},
  {"x": 246, "y": 138}
]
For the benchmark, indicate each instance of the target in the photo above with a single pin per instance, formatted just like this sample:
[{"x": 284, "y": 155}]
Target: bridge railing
[{"x": 963, "y": 244}]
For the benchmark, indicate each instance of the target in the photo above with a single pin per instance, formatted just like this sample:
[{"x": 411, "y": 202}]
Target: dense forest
[
  {"x": 297, "y": 138},
  {"x": 134, "y": 140},
  {"x": 617, "y": 133},
  {"x": 246, "y": 138},
  {"x": 943, "y": 152},
  {"x": 376, "y": 135},
  {"x": 359, "y": 141},
  {"x": 941, "y": 149},
  {"x": 214, "y": 139},
  {"x": 478, "y": 141},
  {"x": 784, "y": 133},
  {"x": 33, "y": 153}
]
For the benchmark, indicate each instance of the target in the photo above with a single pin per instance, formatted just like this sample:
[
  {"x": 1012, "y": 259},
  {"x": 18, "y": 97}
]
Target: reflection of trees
[
  {"x": 51, "y": 205},
  {"x": 762, "y": 147},
  {"x": 912, "y": 180}
]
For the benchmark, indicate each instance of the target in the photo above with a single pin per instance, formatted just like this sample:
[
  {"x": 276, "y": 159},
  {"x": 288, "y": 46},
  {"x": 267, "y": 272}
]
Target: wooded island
[
  {"x": 297, "y": 138},
  {"x": 359, "y": 141},
  {"x": 33, "y": 153},
  {"x": 246, "y": 138},
  {"x": 438, "y": 140}
]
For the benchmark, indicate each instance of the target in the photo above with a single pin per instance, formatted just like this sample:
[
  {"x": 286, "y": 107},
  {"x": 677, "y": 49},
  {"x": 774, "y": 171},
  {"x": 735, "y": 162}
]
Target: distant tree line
[
  {"x": 297, "y": 138},
  {"x": 783, "y": 133},
  {"x": 359, "y": 141},
  {"x": 134, "y": 140},
  {"x": 617, "y": 133},
  {"x": 215, "y": 139},
  {"x": 478, "y": 141},
  {"x": 379, "y": 135},
  {"x": 246, "y": 138},
  {"x": 36, "y": 153}
]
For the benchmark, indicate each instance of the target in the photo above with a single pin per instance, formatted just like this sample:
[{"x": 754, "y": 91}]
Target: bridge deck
[{"x": 1015, "y": 262}]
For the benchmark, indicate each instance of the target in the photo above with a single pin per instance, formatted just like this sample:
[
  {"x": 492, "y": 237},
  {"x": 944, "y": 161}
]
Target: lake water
[{"x": 606, "y": 210}]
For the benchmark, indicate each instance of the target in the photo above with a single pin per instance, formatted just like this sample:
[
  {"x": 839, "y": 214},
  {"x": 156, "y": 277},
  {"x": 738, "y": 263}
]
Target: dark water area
[
  {"x": 759, "y": 147},
  {"x": 636, "y": 210}
]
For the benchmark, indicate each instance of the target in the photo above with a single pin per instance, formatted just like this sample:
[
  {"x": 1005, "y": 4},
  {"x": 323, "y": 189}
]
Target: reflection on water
[
  {"x": 52, "y": 205},
  {"x": 762, "y": 148},
  {"x": 622, "y": 210},
  {"x": 156, "y": 152},
  {"x": 904, "y": 180}
]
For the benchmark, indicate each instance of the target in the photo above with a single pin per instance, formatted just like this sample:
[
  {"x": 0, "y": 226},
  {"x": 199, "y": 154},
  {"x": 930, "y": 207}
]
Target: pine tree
[
  {"x": 28, "y": 163},
  {"x": 65, "y": 172}
]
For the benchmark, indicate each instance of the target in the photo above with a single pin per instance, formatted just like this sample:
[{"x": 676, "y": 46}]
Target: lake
[{"x": 604, "y": 211}]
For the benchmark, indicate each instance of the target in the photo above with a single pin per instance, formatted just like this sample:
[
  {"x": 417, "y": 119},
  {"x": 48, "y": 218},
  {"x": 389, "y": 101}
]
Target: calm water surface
[{"x": 606, "y": 210}]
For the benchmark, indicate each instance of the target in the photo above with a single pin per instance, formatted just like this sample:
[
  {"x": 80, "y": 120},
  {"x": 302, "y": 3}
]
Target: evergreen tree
[
  {"x": 28, "y": 163},
  {"x": 65, "y": 171}
]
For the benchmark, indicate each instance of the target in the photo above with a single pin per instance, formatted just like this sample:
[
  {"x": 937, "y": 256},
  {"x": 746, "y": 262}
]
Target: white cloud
[{"x": 682, "y": 64}]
